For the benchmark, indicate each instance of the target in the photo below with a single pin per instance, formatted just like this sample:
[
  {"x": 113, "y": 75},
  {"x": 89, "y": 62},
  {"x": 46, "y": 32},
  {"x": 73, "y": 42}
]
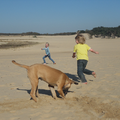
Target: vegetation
[
  {"x": 34, "y": 36},
  {"x": 35, "y": 33},
  {"x": 97, "y": 31},
  {"x": 16, "y": 44},
  {"x": 65, "y": 33},
  {"x": 103, "y": 31}
]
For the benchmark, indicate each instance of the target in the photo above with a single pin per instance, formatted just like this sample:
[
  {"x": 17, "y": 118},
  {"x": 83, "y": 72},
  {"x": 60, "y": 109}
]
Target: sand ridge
[{"x": 98, "y": 100}]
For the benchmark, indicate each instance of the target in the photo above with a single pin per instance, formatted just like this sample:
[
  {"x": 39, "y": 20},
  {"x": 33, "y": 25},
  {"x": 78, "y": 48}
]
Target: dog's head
[{"x": 68, "y": 84}]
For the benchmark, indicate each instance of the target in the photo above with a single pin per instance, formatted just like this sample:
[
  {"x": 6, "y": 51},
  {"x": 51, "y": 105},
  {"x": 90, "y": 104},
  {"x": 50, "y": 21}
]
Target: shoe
[{"x": 54, "y": 63}]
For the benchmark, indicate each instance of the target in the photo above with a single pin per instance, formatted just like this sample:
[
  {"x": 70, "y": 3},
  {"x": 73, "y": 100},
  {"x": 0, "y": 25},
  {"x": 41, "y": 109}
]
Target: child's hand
[
  {"x": 73, "y": 55},
  {"x": 41, "y": 49},
  {"x": 96, "y": 52},
  {"x": 45, "y": 54}
]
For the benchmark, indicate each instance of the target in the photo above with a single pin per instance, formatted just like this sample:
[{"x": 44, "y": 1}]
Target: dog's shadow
[
  {"x": 43, "y": 91},
  {"x": 40, "y": 91}
]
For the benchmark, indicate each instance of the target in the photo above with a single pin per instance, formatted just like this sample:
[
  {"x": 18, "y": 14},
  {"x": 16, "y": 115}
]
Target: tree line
[
  {"x": 35, "y": 33},
  {"x": 97, "y": 31},
  {"x": 103, "y": 31}
]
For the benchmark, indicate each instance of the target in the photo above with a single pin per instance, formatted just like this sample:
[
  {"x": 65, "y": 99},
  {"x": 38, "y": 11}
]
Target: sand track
[
  {"x": 98, "y": 100},
  {"x": 92, "y": 107}
]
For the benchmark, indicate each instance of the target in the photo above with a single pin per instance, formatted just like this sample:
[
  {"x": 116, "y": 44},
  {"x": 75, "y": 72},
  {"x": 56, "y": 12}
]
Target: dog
[{"x": 50, "y": 75}]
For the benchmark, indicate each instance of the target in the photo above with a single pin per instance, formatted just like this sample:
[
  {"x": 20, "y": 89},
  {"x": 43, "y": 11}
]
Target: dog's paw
[
  {"x": 76, "y": 83},
  {"x": 13, "y": 61}
]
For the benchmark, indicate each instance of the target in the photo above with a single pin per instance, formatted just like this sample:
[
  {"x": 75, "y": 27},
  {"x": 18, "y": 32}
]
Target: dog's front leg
[
  {"x": 61, "y": 92},
  {"x": 52, "y": 91}
]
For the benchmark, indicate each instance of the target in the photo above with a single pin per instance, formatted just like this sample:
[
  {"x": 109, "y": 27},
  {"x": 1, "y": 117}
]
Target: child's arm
[
  {"x": 93, "y": 51},
  {"x": 73, "y": 55},
  {"x": 42, "y": 48}
]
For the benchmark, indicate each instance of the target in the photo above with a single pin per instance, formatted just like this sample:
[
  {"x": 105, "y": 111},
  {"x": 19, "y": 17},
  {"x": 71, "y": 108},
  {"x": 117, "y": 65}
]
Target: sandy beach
[{"x": 98, "y": 100}]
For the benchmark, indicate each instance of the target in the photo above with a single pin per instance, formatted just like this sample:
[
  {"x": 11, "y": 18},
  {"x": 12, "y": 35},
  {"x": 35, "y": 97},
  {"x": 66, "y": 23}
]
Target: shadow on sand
[
  {"x": 43, "y": 91},
  {"x": 73, "y": 77},
  {"x": 40, "y": 91}
]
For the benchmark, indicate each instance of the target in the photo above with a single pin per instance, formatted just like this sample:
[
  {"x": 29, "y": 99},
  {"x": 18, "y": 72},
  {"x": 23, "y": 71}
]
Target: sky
[{"x": 57, "y": 16}]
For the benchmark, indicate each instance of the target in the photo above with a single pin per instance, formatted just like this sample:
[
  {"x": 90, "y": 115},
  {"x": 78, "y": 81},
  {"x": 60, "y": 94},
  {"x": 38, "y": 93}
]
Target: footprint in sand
[
  {"x": 114, "y": 96},
  {"x": 35, "y": 114},
  {"x": 11, "y": 84},
  {"x": 107, "y": 101},
  {"x": 13, "y": 88},
  {"x": 117, "y": 74},
  {"x": 15, "y": 118},
  {"x": 12, "y": 111},
  {"x": 2, "y": 85}
]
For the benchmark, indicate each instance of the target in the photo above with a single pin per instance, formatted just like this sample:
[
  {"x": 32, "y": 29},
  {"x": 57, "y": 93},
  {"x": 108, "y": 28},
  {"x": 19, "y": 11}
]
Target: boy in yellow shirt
[{"x": 81, "y": 50}]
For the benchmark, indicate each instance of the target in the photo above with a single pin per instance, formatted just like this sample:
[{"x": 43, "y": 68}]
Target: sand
[{"x": 98, "y": 100}]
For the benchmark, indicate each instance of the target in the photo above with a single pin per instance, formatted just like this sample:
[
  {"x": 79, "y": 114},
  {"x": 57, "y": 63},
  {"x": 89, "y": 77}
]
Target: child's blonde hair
[
  {"x": 47, "y": 43},
  {"x": 80, "y": 38}
]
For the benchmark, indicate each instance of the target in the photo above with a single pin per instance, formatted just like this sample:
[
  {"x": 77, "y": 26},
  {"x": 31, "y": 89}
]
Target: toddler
[{"x": 47, "y": 51}]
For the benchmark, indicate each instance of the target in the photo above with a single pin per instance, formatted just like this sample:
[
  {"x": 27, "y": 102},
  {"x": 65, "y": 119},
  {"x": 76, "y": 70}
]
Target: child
[
  {"x": 47, "y": 51},
  {"x": 81, "y": 49}
]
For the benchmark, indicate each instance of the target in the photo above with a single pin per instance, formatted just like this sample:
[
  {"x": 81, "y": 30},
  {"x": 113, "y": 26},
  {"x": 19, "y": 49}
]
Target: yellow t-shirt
[{"x": 82, "y": 51}]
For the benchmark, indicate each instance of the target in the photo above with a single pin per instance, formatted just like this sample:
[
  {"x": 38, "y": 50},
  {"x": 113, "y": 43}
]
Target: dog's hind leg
[
  {"x": 34, "y": 85},
  {"x": 37, "y": 93},
  {"x": 32, "y": 93},
  {"x": 52, "y": 89}
]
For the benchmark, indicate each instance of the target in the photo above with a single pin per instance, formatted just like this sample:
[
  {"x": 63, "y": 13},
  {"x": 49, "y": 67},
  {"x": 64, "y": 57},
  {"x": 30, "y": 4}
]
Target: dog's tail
[{"x": 24, "y": 66}]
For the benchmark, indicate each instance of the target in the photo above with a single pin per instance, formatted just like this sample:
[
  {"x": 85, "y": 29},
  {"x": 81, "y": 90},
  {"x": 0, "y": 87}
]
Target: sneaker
[{"x": 54, "y": 63}]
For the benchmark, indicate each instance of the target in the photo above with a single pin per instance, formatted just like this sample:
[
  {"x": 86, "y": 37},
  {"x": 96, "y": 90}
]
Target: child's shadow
[{"x": 73, "y": 77}]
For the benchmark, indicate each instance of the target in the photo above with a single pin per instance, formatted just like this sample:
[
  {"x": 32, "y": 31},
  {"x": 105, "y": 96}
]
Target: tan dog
[{"x": 50, "y": 75}]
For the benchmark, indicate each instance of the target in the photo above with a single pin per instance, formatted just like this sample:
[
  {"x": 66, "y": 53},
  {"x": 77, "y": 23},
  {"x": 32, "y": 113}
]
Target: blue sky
[{"x": 55, "y": 16}]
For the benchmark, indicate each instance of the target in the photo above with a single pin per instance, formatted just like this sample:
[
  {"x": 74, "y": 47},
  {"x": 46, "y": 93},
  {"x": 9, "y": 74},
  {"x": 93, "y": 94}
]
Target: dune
[{"x": 98, "y": 100}]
